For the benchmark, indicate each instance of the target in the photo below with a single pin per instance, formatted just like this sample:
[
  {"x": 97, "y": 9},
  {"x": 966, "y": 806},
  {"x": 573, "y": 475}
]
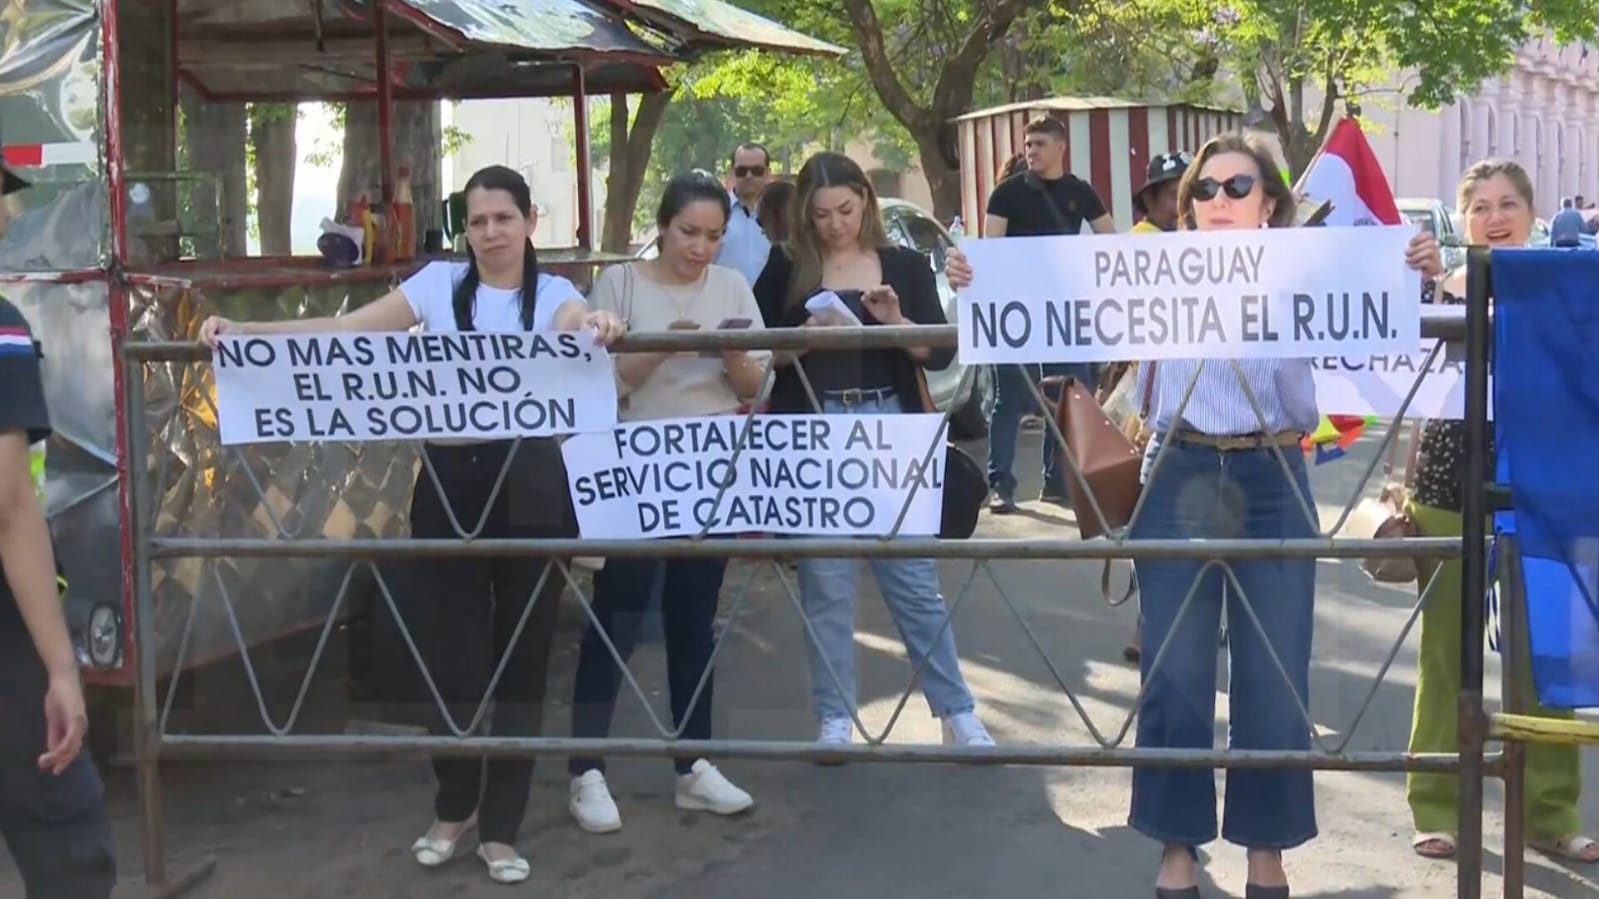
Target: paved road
[{"x": 334, "y": 829}]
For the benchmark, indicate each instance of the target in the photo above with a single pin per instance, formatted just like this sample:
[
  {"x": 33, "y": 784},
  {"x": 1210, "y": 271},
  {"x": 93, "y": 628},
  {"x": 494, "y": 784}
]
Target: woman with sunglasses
[{"x": 1222, "y": 479}]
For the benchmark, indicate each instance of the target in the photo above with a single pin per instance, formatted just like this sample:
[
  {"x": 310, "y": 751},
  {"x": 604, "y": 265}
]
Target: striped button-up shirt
[{"x": 1284, "y": 389}]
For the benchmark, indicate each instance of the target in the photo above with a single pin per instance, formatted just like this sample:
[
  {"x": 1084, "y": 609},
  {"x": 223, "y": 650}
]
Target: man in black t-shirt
[
  {"x": 1046, "y": 199},
  {"x": 52, "y": 812}
]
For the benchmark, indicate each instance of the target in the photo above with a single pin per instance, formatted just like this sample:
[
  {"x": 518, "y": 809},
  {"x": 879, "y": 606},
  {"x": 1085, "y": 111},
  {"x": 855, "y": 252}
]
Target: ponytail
[
  {"x": 530, "y": 285},
  {"x": 465, "y": 298}
]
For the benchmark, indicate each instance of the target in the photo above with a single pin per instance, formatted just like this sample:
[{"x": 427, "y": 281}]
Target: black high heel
[
  {"x": 1181, "y": 892},
  {"x": 1256, "y": 891}
]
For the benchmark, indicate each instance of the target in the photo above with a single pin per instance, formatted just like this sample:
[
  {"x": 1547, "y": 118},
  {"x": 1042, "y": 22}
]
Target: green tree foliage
[{"x": 1306, "y": 56}]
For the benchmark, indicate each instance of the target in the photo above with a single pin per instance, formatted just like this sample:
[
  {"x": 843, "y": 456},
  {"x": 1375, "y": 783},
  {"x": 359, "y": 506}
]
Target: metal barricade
[{"x": 150, "y": 548}]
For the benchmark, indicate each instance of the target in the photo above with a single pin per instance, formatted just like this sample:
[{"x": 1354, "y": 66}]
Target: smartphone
[{"x": 726, "y": 323}]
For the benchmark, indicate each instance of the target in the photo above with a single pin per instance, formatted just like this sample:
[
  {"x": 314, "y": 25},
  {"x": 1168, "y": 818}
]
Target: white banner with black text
[
  {"x": 1273, "y": 293},
  {"x": 817, "y": 475},
  {"x": 470, "y": 385}
]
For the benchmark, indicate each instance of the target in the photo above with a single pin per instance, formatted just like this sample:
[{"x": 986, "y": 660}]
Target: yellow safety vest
[{"x": 36, "y": 456}]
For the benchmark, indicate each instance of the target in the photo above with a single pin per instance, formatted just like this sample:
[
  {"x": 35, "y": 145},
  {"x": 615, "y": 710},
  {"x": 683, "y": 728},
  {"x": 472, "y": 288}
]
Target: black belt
[{"x": 856, "y": 396}]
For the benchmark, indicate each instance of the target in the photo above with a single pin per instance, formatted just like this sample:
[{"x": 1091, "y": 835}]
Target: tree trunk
[
  {"x": 630, "y": 157},
  {"x": 418, "y": 141},
  {"x": 943, "y": 179},
  {"x": 951, "y": 93},
  {"x": 272, "y": 137},
  {"x": 213, "y": 138}
]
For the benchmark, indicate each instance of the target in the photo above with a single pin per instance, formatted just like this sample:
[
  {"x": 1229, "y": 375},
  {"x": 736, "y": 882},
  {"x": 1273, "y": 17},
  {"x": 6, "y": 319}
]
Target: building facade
[{"x": 1543, "y": 113}]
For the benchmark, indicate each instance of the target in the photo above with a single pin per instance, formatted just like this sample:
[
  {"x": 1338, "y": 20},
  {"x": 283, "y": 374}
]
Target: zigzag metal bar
[
  {"x": 1389, "y": 436},
  {"x": 768, "y": 379},
  {"x": 1393, "y": 653}
]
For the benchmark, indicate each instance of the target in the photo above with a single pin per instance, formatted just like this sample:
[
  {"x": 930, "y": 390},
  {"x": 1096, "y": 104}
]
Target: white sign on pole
[
  {"x": 1260, "y": 294},
  {"x": 1378, "y": 384},
  {"x": 474, "y": 385},
  {"x": 818, "y": 475}
]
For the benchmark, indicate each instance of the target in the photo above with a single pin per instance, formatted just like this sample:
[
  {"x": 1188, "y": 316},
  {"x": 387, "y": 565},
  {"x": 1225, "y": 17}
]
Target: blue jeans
[
  {"x": 1012, "y": 400},
  {"x": 909, "y": 586},
  {"x": 1201, "y": 492}
]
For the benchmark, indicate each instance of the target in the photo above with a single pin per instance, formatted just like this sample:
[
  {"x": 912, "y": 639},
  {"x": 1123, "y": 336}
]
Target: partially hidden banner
[
  {"x": 819, "y": 475},
  {"x": 1266, "y": 293},
  {"x": 1377, "y": 384},
  {"x": 411, "y": 386}
]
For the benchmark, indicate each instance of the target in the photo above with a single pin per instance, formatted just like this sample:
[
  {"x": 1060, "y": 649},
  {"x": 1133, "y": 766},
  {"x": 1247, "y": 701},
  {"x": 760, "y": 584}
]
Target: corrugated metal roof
[
  {"x": 717, "y": 23},
  {"x": 1082, "y": 104},
  {"x": 543, "y": 25}
]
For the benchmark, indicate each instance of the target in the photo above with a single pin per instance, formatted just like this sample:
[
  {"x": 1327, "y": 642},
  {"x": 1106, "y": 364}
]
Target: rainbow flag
[{"x": 1333, "y": 435}]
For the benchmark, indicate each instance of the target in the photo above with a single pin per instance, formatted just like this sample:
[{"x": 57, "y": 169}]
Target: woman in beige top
[{"x": 678, "y": 290}]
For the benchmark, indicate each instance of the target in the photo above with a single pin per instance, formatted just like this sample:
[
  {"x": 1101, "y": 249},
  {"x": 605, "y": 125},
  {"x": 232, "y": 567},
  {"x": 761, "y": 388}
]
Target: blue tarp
[{"x": 1546, "y": 405}]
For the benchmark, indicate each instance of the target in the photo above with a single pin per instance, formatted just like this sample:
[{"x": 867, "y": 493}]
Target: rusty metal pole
[
  {"x": 146, "y": 704},
  {"x": 1515, "y": 657},
  {"x": 1473, "y": 583}
]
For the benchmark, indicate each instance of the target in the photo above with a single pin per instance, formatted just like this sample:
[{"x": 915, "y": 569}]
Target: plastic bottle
[
  {"x": 402, "y": 218},
  {"x": 956, "y": 229}
]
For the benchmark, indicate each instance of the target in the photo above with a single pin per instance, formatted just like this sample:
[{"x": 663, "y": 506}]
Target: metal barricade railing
[{"x": 152, "y": 710}]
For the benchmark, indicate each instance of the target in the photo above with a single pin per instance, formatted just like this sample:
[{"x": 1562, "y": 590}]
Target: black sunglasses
[
  {"x": 1237, "y": 187},
  {"x": 746, "y": 171}
]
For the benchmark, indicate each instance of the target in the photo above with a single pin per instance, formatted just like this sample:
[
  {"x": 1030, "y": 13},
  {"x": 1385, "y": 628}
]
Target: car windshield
[{"x": 1422, "y": 217}]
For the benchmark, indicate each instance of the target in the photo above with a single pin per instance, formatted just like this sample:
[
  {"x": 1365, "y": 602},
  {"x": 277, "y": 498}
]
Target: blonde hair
[
  {"x": 804, "y": 248},
  {"x": 1486, "y": 170}
]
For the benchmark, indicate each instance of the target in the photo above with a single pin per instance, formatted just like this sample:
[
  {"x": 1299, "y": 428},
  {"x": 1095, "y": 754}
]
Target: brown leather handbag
[
  {"x": 1110, "y": 460},
  {"x": 1391, "y": 511}
]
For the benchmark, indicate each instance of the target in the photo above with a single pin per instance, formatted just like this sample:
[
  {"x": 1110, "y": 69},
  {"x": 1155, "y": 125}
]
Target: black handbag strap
[{"x": 1037, "y": 183}]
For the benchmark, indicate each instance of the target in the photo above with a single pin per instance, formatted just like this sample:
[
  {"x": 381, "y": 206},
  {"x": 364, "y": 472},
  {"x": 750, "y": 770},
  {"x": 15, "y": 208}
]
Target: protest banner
[
  {"x": 821, "y": 475},
  {"x": 1377, "y": 384},
  {"x": 473, "y": 385},
  {"x": 1267, "y": 293}
]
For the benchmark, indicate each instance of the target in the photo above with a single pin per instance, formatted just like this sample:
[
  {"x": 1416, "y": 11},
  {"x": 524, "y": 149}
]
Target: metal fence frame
[{"x": 1472, "y": 761}]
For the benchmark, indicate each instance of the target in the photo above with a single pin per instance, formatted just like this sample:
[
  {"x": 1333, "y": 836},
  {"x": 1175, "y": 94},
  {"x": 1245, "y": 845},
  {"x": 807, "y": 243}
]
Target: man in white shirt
[{"x": 745, "y": 246}]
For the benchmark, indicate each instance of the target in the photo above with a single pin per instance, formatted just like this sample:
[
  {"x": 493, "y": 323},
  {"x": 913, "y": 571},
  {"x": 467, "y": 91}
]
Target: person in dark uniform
[{"x": 52, "y": 811}]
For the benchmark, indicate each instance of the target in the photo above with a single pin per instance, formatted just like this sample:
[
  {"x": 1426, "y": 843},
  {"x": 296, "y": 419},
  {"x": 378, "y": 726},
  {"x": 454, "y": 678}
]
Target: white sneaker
[
  {"x": 966, "y": 729},
  {"x": 591, "y": 804},
  {"x": 837, "y": 732},
  {"x": 705, "y": 789}
]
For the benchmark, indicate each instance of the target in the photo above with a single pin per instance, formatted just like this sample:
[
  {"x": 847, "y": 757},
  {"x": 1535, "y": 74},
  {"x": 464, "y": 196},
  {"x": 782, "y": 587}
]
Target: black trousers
[
  {"x": 472, "y": 607},
  {"x": 55, "y": 825},
  {"x": 688, "y": 609}
]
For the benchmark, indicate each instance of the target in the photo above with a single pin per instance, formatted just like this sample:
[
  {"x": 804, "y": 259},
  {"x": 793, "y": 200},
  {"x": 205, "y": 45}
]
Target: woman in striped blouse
[{"x": 1221, "y": 478}]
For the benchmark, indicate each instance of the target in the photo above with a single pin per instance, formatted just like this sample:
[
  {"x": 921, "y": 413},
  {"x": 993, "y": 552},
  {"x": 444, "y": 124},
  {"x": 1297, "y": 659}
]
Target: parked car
[
  {"x": 910, "y": 226},
  {"x": 1433, "y": 215}
]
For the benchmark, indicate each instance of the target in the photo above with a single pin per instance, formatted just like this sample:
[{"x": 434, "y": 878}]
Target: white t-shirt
[{"x": 431, "y": 293}]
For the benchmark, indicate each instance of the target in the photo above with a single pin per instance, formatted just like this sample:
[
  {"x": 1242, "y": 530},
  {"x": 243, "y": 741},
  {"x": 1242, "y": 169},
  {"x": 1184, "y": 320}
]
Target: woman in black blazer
[{"x": 836, "y": 242}]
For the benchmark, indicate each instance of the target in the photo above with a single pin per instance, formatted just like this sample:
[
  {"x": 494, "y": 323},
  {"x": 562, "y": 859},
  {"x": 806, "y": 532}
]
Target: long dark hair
[
  {"x": 689, "y": 188},
  {"x": 498, "y": 177}
]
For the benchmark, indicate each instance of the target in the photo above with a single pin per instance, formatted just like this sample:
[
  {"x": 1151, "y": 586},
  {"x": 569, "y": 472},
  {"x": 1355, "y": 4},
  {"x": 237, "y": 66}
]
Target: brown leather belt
[{"x": 1257, "y": 440}]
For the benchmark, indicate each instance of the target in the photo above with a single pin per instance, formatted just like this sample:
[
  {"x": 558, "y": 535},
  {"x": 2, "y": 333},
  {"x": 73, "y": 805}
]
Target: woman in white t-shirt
[
  {"x": 678, "y": 290},
  {"x": 472, "y": 606}
]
